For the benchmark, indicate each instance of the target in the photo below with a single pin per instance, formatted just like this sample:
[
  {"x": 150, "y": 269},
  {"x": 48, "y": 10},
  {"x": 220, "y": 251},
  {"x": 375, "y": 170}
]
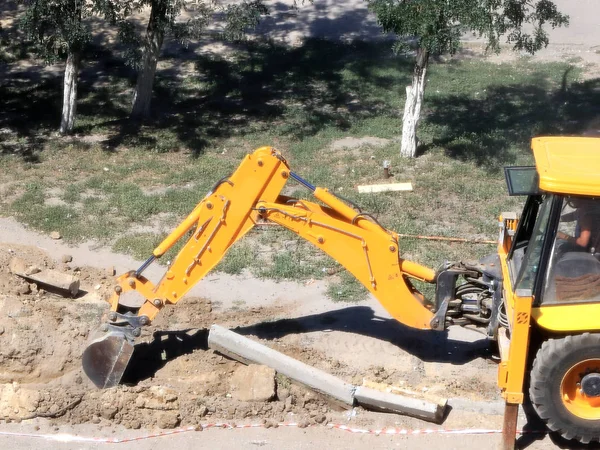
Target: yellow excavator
[{"x": 538, "y": 296}]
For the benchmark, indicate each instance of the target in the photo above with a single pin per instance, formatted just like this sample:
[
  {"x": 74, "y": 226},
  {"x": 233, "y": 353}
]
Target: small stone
[
  {"x": 303, "y": 423},
  {"x": 110, "y": 271},
  {"x": 283, "y": 394},
  {"x": 23, "y": 289},
  {"x": 67, "y": 258},
  {"x": 1, "y": 330},
  {"x": 202, "y": 411},
  {"x": 95, "y": 420},
  {"x": 109, "y": 412},
  {"x": 231, "y": 412},
  {"x": 167, "y": 420},
  {"x": 320, "y": 418},
  {"x": 253, "y": 383},
  {"x": 55, "y": 235},
  {"x": 135, "y": 424},
  {"x": 158, "y": 398},
  {"x": 289, "y": 403},
  {"x": 97, "y": 287}
]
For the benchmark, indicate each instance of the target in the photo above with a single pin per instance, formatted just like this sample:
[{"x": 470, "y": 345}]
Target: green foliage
[
  {"x": 58, "y": 26},
  {"x": 437, "y": 25},
  {"x": 243, "y": 16},
  {"x": 239, "y": 18}
]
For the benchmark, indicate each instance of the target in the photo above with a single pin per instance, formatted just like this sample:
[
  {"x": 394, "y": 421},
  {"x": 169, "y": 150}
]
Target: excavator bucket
[{"x": 106, "y": 357}]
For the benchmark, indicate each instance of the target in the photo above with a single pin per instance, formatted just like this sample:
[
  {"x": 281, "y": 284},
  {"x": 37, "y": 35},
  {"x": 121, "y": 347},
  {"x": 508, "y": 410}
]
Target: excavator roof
[{"x": 568, "y": 165}]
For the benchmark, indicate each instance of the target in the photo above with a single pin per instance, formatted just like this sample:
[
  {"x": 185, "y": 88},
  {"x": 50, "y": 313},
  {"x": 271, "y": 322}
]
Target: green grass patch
[
  {"x": 241, "y": 256},
  {"x": 347, "y": 289},
  {"x": 139, "y": 246}
]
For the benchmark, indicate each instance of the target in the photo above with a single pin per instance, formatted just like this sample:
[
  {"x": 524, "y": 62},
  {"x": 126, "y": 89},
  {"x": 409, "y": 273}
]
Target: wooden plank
[{"x": 391, "y": 187}]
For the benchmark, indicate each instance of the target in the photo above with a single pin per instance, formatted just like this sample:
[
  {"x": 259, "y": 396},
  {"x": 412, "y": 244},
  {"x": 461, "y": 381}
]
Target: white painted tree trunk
[
  {"x": 67, "y": 120},
  {"x": 412, "y": 107},
  {"x": 145, "y": 81}
]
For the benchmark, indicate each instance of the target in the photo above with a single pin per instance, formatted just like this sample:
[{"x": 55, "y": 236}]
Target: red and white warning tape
[{"x": 383, "y": 431}]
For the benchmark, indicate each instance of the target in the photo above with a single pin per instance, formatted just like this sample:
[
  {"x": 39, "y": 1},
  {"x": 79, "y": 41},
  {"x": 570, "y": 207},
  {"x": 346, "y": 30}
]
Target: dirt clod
[
  {"x": 253, "y": 383},
  {"x": 168, "y": 420}
]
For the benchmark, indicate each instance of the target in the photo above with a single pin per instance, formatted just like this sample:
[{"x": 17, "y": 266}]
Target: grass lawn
[{"x": 128, "y": 185}]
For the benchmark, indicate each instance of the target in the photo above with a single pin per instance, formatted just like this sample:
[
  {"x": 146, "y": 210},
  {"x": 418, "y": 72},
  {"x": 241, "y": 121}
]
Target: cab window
[
  {"x": 529, "y": 248},
  {"x": 573, "y": 273}
]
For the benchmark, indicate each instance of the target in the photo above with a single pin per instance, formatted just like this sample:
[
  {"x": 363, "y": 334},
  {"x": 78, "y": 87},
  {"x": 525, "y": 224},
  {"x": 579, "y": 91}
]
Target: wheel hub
[
  {"x": 580, "y": 389},
  {"x": 590, "y": 384}
]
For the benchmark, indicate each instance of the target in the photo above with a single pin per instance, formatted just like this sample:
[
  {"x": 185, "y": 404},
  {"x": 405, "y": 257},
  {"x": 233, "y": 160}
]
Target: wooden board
[{"x": 390, "y": 187}]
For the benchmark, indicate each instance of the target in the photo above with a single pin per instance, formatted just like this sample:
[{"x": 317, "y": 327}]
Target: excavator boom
[{"x": 233, "y": 207}]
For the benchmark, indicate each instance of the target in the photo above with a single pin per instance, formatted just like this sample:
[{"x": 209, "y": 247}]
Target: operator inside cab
[
  {"x": 574, "y": 273},
  {"x": 585, "y": 214}
]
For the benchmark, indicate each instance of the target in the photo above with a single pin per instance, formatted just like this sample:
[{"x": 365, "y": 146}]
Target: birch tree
[
  {"x": 59, "y": 29},
  {"x": 435, "y": 27}
]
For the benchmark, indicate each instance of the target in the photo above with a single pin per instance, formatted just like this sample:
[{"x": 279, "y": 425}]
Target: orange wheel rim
[{"x": 573, "y": 397}]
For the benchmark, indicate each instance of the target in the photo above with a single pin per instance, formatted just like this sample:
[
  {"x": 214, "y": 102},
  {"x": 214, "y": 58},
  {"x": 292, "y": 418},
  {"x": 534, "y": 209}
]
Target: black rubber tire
[{"x": 552, "y": 361}]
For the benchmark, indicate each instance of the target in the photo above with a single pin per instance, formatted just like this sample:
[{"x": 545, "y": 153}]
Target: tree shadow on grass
[
  {"x": 28, "y": 112},
  {"x": 486, "y": 129},
  {"x": 267, "y": 87}
]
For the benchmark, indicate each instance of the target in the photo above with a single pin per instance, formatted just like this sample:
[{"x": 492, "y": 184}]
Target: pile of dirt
[
  {"x": 42, "y": 334},
  {"x": 173, "y": 378}
]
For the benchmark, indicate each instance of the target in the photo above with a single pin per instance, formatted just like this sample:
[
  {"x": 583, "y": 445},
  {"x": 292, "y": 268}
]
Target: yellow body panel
[
  {"x": 568, "y": 165},
  {"x": 570, "y": 318},
  {"x": 513, "y": 364}
]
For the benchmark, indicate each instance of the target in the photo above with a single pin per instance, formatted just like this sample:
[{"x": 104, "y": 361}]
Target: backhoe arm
[{"x": 226, "y": 214}]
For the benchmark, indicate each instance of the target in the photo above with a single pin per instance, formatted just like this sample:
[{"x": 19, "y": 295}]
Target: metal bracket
[{"x": 126, "y": 324}]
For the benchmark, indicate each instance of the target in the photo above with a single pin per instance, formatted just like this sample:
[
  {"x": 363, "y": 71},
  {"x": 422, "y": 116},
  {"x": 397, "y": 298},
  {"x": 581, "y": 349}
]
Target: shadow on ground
[{"x": 430, "y": 346}]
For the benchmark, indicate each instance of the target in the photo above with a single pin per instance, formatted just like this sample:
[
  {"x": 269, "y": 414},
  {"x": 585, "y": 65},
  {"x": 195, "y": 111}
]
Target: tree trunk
[
  {"x": 155, "y": 34},
  {"x": 67, "y": 120},
  {"x": 412, "y": 107}
]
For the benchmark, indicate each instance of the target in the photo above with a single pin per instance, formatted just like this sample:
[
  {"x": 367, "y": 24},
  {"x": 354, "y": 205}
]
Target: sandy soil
[{"x": 173, "y": 371}]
